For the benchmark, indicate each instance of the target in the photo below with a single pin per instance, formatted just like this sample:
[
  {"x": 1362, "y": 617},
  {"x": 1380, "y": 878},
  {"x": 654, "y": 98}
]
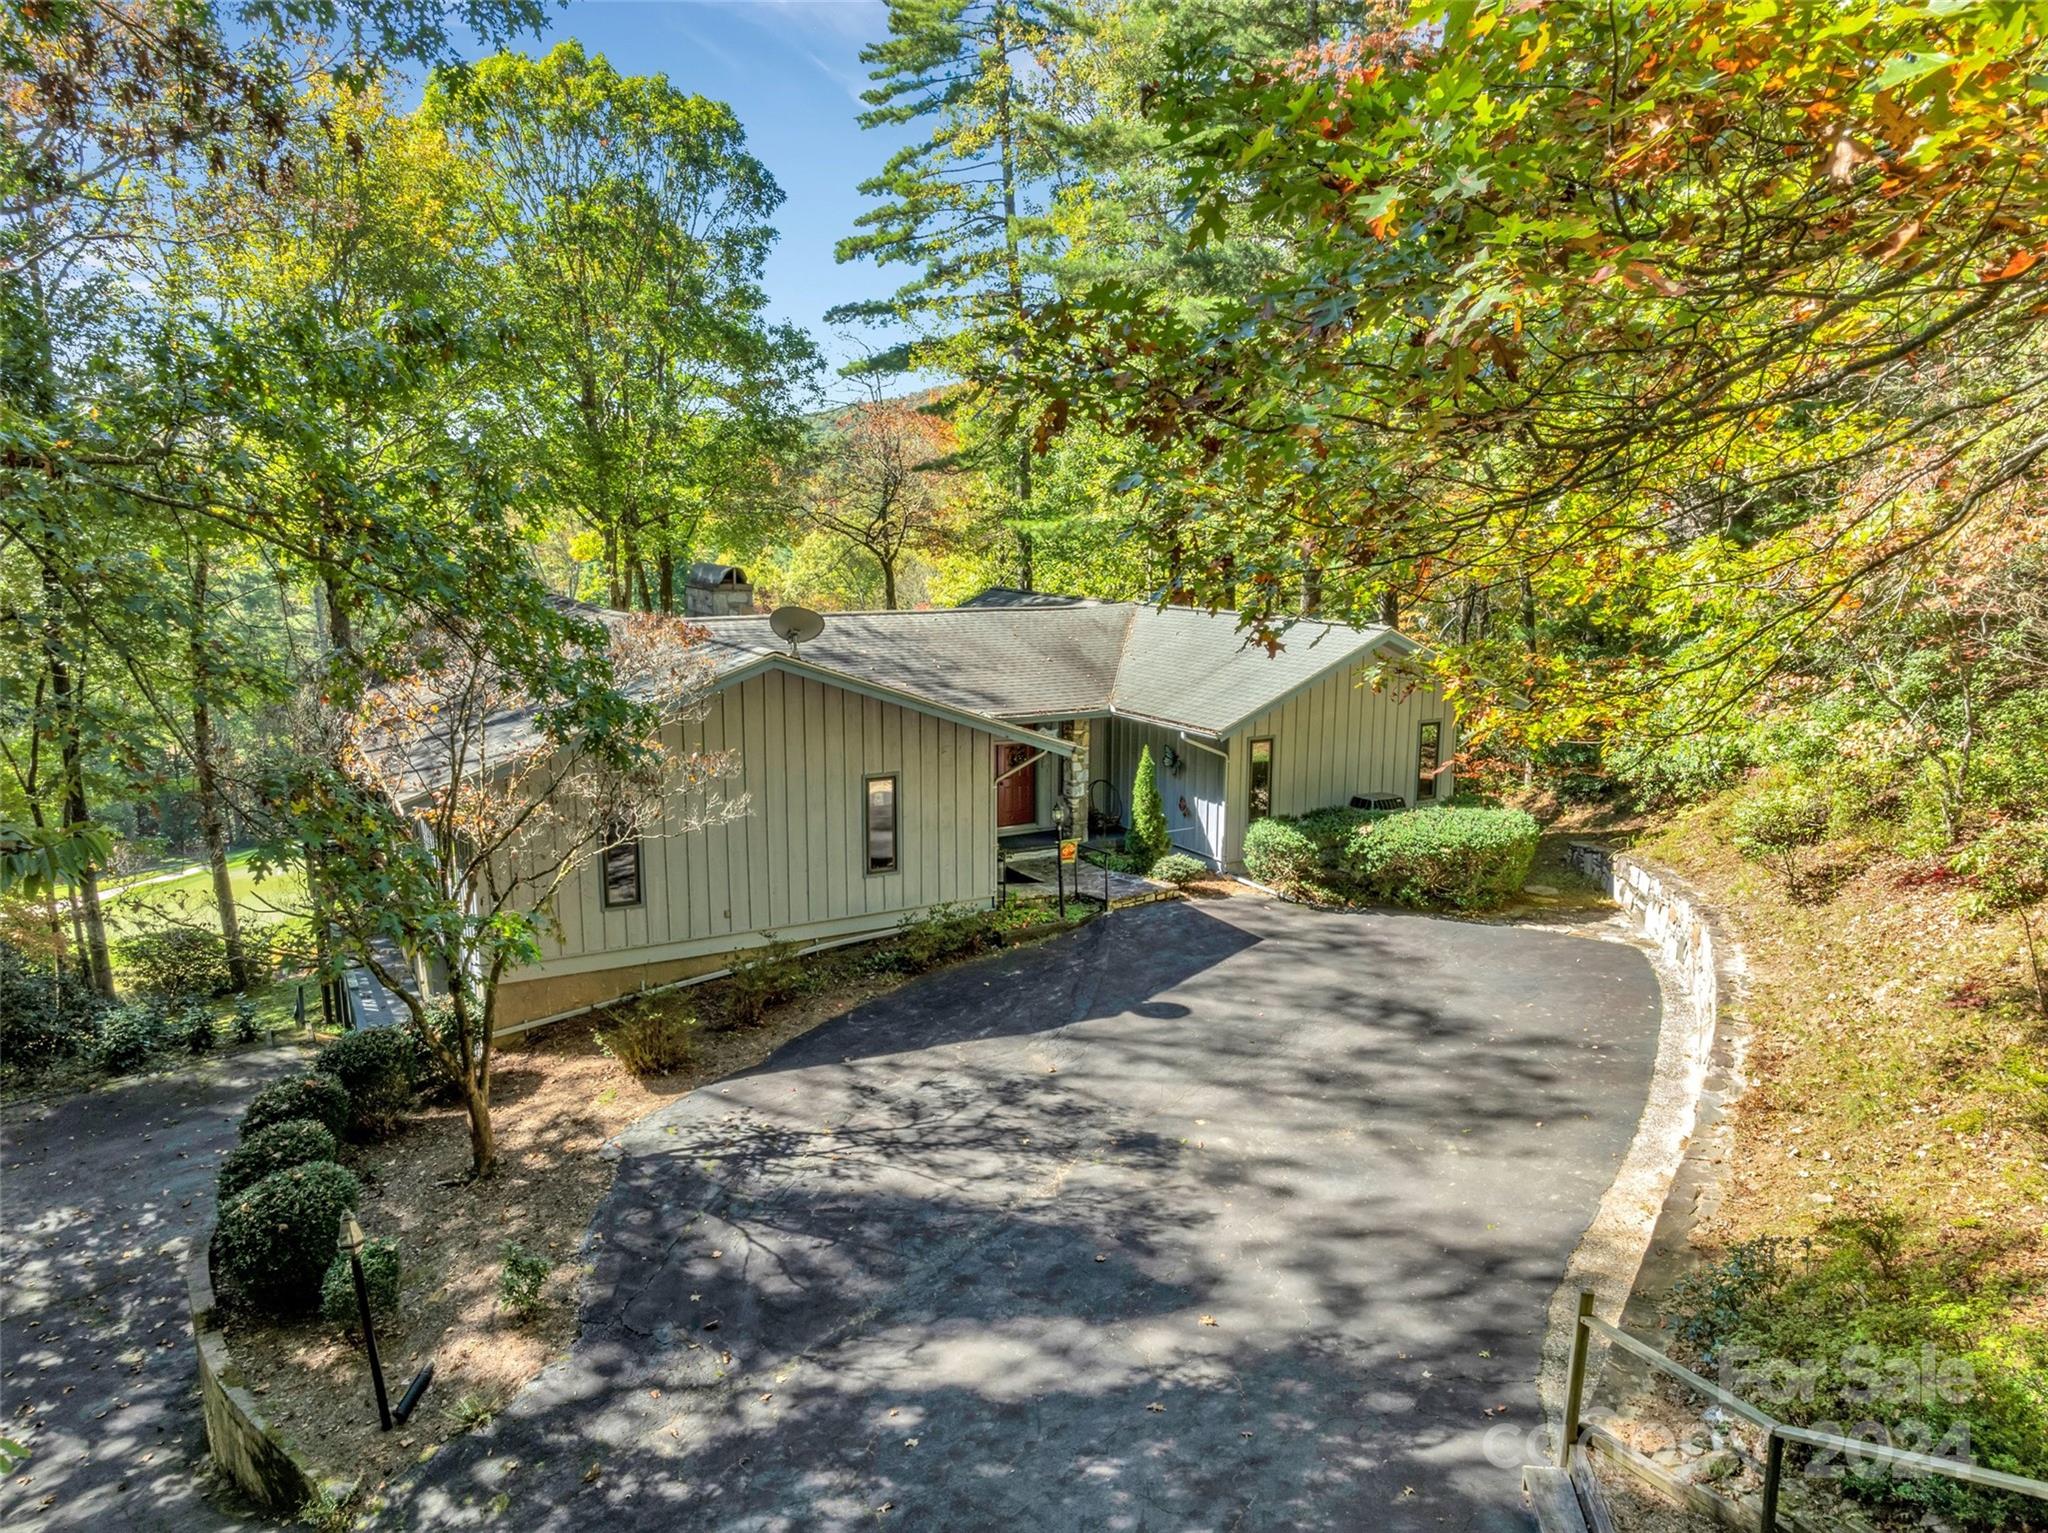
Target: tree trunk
[
  {"x": 888, "y": 583},
  {"x": 341, "y": 634},
  {"x": 1014, "y": 271},
  {"x": 668, "y": 582},
  {"x": 2034, "y": 961},
  {"x": 65, "y": 703},
  {"x": 614, "y": 576},
  {"x": 212, "y": 824},
  {"x": 1528, "y": 592},
  {"x": 483, "y": 1143},
  {"x": 1390, "y": 606},
  {"x": 1027, "y": 576}
]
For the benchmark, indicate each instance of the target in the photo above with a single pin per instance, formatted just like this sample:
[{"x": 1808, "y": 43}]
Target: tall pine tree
[{"x": 965, "y": 206}]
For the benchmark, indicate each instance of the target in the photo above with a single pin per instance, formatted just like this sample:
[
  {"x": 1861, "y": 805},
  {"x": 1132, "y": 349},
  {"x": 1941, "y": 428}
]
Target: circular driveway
[{"x": 1226, "y": 1215}]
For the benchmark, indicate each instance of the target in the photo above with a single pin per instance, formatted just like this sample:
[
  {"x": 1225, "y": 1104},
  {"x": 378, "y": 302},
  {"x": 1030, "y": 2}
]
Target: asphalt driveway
[
  {"x": 102, "y": 1195},
  {"x": 1224, "y": 1215}
]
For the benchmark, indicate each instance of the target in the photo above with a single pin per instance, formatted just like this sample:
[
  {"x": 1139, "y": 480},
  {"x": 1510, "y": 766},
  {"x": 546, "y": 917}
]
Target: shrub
[
  {"x": 1862, "y": 1312},
  {"x": 375, "y": 1067},
  {"x": 1178, "y": 868},
  {"x": 1280, "y": 853},
  {"x": 1331, "y": 828},
  {"x": 295, "y": 1142},
  {"x": 277, "y": 1238},
  {"x": 1681, "y": 769},
  {"x": 1147, "y": 840},
  {"x": 1457, "y": 859},
  {"x": 521, "y": 1283},
  {"x": 1773, "y": 825},
  {"x": 313, "y": 1095},
  {"x": 380, "y": 1277},
  {"x": 178, "y": 963},
  {"x": 195, "y": 1030},
  {"x": 2010, "y": 867},
  {"x": 244, "y": 1027},
  {"x": 1116, "y": 862},
  {"x": 760, "y": 978},
  {"x": 649, "y": 1039},
  {"x": 946, "y": 933},
  {"x": 43, "y": 1020},
  {"x": 127, "y": 1038},
  {"x": 431, "y": 1077},
  {"x": 1705, "y": 1309}
]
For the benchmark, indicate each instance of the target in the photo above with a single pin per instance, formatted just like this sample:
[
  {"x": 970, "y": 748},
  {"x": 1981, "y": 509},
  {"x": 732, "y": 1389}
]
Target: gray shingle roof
[{"x": 1021, "y": 655}]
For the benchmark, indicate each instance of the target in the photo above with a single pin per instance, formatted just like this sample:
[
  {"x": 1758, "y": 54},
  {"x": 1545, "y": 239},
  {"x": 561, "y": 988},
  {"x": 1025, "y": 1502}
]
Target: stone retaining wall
[
  {"x": 242, "y": 1441},
  {"x": 1670, "y": 914}
]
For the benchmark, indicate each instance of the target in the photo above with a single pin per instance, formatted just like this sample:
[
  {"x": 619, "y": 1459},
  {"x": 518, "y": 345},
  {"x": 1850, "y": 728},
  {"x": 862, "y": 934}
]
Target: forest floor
[
  {"x": 1896, "y": 1053},
  {"x": 1895, "y": 1129}
]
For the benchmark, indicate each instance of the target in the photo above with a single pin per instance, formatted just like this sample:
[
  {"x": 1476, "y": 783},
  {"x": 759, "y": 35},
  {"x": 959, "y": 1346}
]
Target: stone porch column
[{"x": 1077, "y": 775}]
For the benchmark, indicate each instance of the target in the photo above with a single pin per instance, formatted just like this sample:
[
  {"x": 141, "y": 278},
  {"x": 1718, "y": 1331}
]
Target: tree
[
  {"x": 632, "y": 225},
  {"x": 965, "y": 207},
  {"x": 2010, "y": 866},
  {"x": 1147, "y": 839},
  {"x": 446, "y": 835},
  {"x": 1690, "y": 324},
  {"x": 104, "y": 366},
  {"x": 873, "y": 483}
]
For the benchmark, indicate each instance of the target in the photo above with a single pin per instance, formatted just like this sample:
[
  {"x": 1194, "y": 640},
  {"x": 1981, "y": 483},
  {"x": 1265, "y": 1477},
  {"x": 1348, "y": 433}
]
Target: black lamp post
[
  {"x": 1062, "y": 823},
  {"x": 352, "y": 1242}
]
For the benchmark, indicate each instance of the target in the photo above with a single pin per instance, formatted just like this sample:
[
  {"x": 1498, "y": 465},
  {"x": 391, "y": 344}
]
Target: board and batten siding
[
  {"x": 1338, "y": 739},
  {"x": 793, "y": 863},
  {"x": 1199, "y": 781}
]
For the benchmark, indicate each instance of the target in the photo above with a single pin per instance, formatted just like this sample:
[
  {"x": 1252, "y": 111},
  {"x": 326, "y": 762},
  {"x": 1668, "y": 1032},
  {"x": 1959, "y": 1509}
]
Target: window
[
  {"x": 881, "y": 807},
  {"x": 1428, "y": 757},
  {"x": 622, "y": 870},
  {"x": 1261, "y": 796}
]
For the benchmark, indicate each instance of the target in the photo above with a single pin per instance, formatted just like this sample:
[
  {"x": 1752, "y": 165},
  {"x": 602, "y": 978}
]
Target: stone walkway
[{"x": 102, "y": 1195}]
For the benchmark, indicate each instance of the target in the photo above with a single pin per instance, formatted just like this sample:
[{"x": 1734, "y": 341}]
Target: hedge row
[
  {"x": 282, "y": 1191},
  {"x": 1444, "y": 858}
]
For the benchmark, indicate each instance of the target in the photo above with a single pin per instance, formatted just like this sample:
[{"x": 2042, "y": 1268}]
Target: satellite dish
[{"x": 795, "y": 625}]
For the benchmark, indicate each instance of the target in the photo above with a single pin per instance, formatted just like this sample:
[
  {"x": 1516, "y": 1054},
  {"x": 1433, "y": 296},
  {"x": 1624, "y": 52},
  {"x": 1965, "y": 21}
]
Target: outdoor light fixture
[{"x": 352, "y": 1242}]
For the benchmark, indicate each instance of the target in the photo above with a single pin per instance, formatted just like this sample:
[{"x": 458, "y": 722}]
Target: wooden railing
[{"x": 1776, "y": 1433}]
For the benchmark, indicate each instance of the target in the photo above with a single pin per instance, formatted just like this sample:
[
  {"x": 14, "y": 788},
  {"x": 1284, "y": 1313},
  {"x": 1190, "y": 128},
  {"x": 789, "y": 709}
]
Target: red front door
[{"x": 1016, "y": 794}]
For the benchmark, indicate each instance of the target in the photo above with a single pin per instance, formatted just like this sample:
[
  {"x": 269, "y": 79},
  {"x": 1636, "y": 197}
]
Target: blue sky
[{"x": 791, "y": 69}]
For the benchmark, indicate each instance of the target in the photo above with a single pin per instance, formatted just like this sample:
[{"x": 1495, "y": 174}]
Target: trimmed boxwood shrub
[
  {"x": 277, "y": 1148},
  {"x": 1331, "y": 828},
  {"x": 1280, "y": 853},
  {"x": 313, "y": 1095},
  {"x": 376, "y": 1068},
  {"x": 1444, "y": 859},
  {"x": 380, "y": 1277},
  {"x": 1178, "y": 868},
  {"x": 277, "y": 1238}
]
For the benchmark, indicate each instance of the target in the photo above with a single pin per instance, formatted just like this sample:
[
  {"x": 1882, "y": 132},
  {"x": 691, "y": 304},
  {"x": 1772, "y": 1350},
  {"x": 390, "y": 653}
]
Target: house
[{"x": 887, "y": 759}]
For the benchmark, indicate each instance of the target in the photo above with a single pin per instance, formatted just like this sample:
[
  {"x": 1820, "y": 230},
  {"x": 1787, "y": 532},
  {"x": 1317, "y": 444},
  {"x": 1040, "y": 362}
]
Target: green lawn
[{"x": 188, "y": 899}]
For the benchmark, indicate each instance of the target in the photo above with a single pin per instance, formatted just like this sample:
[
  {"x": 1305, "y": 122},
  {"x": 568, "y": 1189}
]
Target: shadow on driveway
[
  {"x": 102, "y": 1195},
  {"x": 1220, "y": 1216}
]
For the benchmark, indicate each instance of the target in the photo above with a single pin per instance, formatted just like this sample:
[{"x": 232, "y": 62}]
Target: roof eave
[
  {"x": 917, "y": 703},
  {"x": 1387, "y": 638}
]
